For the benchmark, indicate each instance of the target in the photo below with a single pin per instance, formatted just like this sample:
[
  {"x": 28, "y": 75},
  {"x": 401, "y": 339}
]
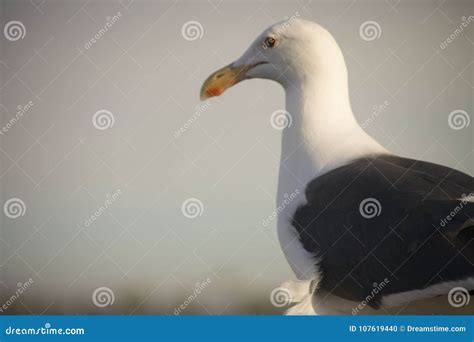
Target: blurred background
[{"x": 122, "y": 193}]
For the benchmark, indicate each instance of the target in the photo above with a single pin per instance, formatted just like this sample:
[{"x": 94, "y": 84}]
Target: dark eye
[{"x": 269, "y": 42}]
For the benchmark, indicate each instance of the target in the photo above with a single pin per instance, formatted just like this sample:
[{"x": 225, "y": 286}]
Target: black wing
[{"x": 388, "y": 219}]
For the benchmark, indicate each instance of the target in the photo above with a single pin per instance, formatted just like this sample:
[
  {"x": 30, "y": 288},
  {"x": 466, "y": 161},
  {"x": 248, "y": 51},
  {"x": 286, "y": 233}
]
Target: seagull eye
[{"x": 269, "y": 42}]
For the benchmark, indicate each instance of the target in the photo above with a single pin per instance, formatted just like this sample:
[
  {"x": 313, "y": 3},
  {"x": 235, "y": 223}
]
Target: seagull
[{"x": 367, "y": 231}]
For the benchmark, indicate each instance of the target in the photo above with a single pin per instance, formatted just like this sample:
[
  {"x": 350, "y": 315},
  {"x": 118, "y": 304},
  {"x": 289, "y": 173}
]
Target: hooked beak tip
[
  {"x": 224, "y": 78},
  {"x": 221, "y": 80},
  {"x": 210, "y": 92}
]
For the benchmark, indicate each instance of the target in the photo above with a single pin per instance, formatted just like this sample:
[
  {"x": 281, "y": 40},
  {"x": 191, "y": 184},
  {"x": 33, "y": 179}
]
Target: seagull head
[{"x": 289, "y": 52}]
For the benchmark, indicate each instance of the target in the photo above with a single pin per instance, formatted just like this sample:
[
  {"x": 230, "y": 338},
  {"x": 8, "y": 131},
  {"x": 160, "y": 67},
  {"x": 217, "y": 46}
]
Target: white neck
[{"x": 324, "y": 133}]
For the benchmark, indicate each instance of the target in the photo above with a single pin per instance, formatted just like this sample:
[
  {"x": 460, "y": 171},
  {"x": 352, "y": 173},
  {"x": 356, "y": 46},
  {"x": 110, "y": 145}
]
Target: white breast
[
  {"x": 303, "y": 263},
  {"x": 290, "y": 197}
]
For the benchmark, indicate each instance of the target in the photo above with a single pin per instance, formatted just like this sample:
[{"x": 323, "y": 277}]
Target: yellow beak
[{"x": 222, "y": 79}]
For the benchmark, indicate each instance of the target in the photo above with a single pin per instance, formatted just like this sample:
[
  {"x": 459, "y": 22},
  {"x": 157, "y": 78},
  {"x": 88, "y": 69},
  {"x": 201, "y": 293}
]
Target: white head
[
  {"x": 306, "y": 60},
  {"x": 290, "y": 53}
]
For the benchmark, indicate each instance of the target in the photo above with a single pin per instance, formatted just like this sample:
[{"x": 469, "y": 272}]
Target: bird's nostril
[{"x": 219, "y": 75}]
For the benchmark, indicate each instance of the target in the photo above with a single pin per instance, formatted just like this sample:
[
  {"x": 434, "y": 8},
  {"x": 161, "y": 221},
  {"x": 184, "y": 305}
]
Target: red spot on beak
[{"x": 214, "y": 91}]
